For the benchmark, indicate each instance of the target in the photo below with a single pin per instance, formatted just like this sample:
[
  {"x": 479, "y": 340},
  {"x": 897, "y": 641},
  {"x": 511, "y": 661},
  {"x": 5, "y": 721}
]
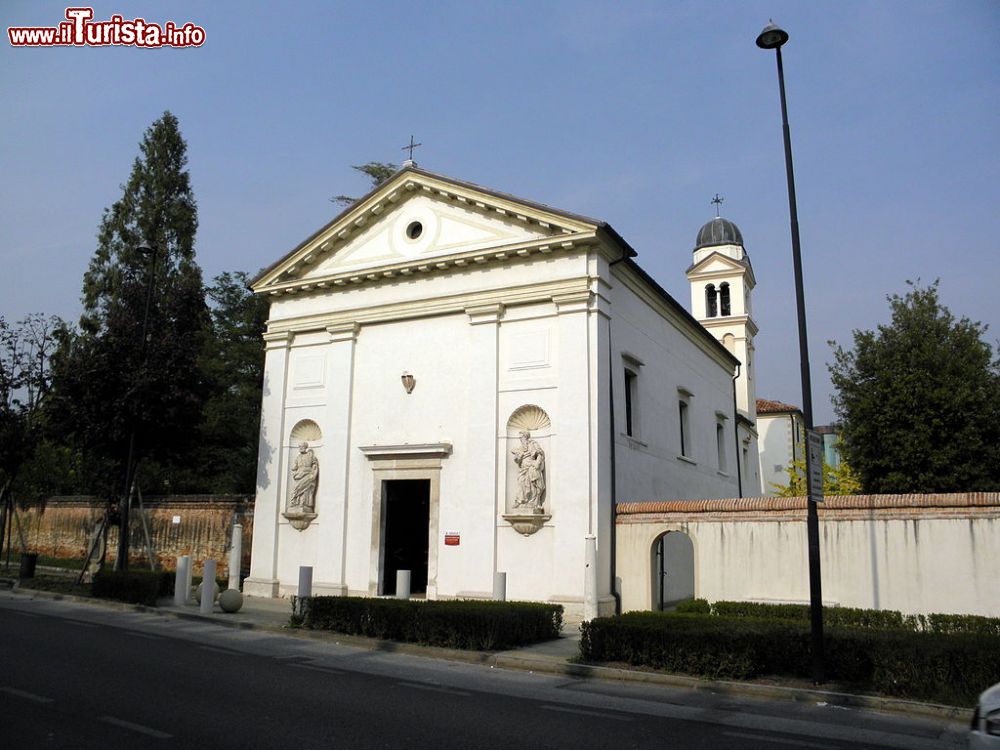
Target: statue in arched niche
[
  {"x": 305, "y": 473},
  {"x": 530, "y": 460}
]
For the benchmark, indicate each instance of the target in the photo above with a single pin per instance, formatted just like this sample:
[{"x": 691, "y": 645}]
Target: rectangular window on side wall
[
  {"x": 720, "y": 441},
  {"x": 684, "y": 421},
  {"x": 630, "y": 399},
  {"x": 630, "y": 368}
]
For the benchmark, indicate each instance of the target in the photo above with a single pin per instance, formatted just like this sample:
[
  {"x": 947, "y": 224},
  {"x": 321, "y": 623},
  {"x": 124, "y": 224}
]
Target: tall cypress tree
[{"x": 129, "y": 383}]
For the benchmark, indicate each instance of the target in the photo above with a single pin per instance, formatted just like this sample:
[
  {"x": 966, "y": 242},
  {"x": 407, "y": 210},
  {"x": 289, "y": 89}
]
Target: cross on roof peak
[
  {"x": 410, "y": 148},
  {"x": 718, "y": 204}
]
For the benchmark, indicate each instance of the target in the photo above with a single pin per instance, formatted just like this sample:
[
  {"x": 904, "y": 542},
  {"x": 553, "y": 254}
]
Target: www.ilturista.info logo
[{"x": 79, "y": 30}]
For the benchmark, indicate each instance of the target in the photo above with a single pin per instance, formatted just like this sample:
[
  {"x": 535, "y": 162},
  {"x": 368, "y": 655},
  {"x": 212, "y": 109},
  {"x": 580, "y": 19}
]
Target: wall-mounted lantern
[{"x": 408, "y": 381}]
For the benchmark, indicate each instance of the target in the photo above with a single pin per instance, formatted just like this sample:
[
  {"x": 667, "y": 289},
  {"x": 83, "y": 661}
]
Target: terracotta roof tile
[
  {"x": 833, "y": 502},
  {"x": 764, "y": 406}
]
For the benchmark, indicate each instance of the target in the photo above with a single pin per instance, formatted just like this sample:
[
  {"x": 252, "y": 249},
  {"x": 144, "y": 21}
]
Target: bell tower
[{"x": 722, "y": 283}]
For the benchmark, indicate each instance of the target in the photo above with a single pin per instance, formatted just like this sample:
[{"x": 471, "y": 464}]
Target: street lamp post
[
  {"x": 772, "y": 37},
  {"x": 121, "y": 561}
]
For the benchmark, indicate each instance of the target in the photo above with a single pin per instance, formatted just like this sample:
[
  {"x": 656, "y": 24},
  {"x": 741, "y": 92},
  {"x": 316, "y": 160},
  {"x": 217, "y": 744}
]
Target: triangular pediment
[
  {"x": 441, "y": 228},
  {"x": 416, "y": 220},
  {"x": 717, "y": 265}
]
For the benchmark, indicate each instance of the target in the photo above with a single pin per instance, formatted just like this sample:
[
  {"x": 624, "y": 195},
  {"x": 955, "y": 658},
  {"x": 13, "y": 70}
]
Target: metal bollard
[
  {"x": 181, "y": 576},
  {"x": 500, "y": 586},
  {"x": 402, "y": 584},
  {"x": 208, "y": 587},
  {"x": 236, "y": 557}
]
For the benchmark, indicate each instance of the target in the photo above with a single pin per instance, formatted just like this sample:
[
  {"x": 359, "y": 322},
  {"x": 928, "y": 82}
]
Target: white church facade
[{"x": 459, "y": 382}]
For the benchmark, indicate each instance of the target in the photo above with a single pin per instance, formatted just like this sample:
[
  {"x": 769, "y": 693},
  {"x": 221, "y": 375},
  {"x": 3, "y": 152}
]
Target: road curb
[{"x": 548, "y": 665}]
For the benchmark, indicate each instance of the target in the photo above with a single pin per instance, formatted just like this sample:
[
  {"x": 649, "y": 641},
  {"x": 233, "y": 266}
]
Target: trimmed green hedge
[
  {"x": 950, "y": 669},
  {"x": 851, "y": 617},
  {"x": 477, "y": 625},
  {"x": 694, "y": 607},
  {"x": 959, "y": 624},
  {"x": 135, "y": 587}
]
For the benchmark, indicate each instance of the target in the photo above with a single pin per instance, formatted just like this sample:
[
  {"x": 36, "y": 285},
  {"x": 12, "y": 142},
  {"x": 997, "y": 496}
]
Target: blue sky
[{"x": 637, "y": 113}]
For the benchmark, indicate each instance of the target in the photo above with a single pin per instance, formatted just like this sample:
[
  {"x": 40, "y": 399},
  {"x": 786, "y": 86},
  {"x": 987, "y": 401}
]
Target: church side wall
[
  {"x": 669, "y": 368},
  {"x": 917, "y": 560}
]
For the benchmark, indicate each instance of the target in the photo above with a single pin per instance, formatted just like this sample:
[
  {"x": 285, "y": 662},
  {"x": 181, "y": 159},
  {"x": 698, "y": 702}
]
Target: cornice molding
[
  {"x": 736, "y": 321},
  {"x": 425, "y": 308},
  {"x": 433, "y": 265},
  {"x": 406, "y": 451}
]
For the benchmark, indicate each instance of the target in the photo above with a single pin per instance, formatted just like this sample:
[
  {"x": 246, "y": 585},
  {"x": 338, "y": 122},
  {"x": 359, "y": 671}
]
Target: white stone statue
[
  {"x": 530, "y": 460},
  {"x": 305, "y": 472}
]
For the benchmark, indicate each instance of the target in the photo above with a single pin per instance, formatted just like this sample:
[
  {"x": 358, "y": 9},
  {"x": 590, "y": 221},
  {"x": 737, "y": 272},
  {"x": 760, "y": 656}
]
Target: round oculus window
[{"x": 414, "y": 230}]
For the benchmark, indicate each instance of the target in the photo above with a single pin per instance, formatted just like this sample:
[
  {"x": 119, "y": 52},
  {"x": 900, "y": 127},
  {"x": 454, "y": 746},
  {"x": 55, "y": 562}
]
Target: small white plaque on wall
[{"x": 176, "y": 519}]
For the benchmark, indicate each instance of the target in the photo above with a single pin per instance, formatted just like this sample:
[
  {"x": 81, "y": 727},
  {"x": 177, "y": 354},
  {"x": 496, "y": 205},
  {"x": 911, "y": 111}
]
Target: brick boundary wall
[{"x": 63, "y": 526}]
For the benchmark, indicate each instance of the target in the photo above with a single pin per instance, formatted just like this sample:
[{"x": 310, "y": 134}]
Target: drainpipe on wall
[
  {"x": 736, "y": 430},
  {"x": 614, "y": 490}
]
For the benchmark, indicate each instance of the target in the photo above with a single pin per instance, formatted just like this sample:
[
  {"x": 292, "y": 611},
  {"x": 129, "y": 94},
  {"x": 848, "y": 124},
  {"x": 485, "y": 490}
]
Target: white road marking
[
  {"x": 781, "y": 740},
  {"x": 25, "y": 694},
  {"x": 148, "y": 731},
  {"x": 585, "y": 712},
  {"x": 432, "y": 688}
]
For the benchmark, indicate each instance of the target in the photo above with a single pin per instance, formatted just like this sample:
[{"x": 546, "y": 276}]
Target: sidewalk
[{"x": 553, "y": 657}]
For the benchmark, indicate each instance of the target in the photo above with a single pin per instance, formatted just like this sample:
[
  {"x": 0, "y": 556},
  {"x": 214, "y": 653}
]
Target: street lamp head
[
  {"x": 145, "y": 249},
  {"x": 772, "y": 37}
]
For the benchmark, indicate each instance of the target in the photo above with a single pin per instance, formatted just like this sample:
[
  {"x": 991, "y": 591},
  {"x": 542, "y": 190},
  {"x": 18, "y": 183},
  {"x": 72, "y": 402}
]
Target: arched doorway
[{"x": 673, "y": 569}]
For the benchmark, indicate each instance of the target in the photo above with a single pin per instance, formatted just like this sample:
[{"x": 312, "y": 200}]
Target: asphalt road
[{"x": 77, "y": 676}]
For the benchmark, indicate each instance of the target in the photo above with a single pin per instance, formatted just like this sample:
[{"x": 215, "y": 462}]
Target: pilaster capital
[
  {"x": 343, "y": 331},
  {"x": 277, "y": 340},
  {"x": 481, "y": 314},
  {"x": 572, "y": 302}
]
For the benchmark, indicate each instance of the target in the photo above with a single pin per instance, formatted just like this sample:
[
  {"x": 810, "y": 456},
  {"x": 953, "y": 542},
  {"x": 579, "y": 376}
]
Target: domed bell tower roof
[{"x": 718, "y": 231}]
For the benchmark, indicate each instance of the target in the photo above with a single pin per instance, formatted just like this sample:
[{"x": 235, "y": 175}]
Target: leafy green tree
[
  {"x": 130, "y": 382},
  {"x": 919, "y": 400},
  {"x": 837, "y": 480},
  {"x": 25, "y": 378},
  {"x": 234, "y": 366},
  {"x": 376, "y": 171}
]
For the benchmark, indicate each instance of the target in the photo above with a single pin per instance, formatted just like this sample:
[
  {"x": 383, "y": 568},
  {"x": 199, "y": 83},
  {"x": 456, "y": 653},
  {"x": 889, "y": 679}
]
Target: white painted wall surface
[
  {"x": 916, "y": 566},
  {"x": 778, "y": 448}
]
